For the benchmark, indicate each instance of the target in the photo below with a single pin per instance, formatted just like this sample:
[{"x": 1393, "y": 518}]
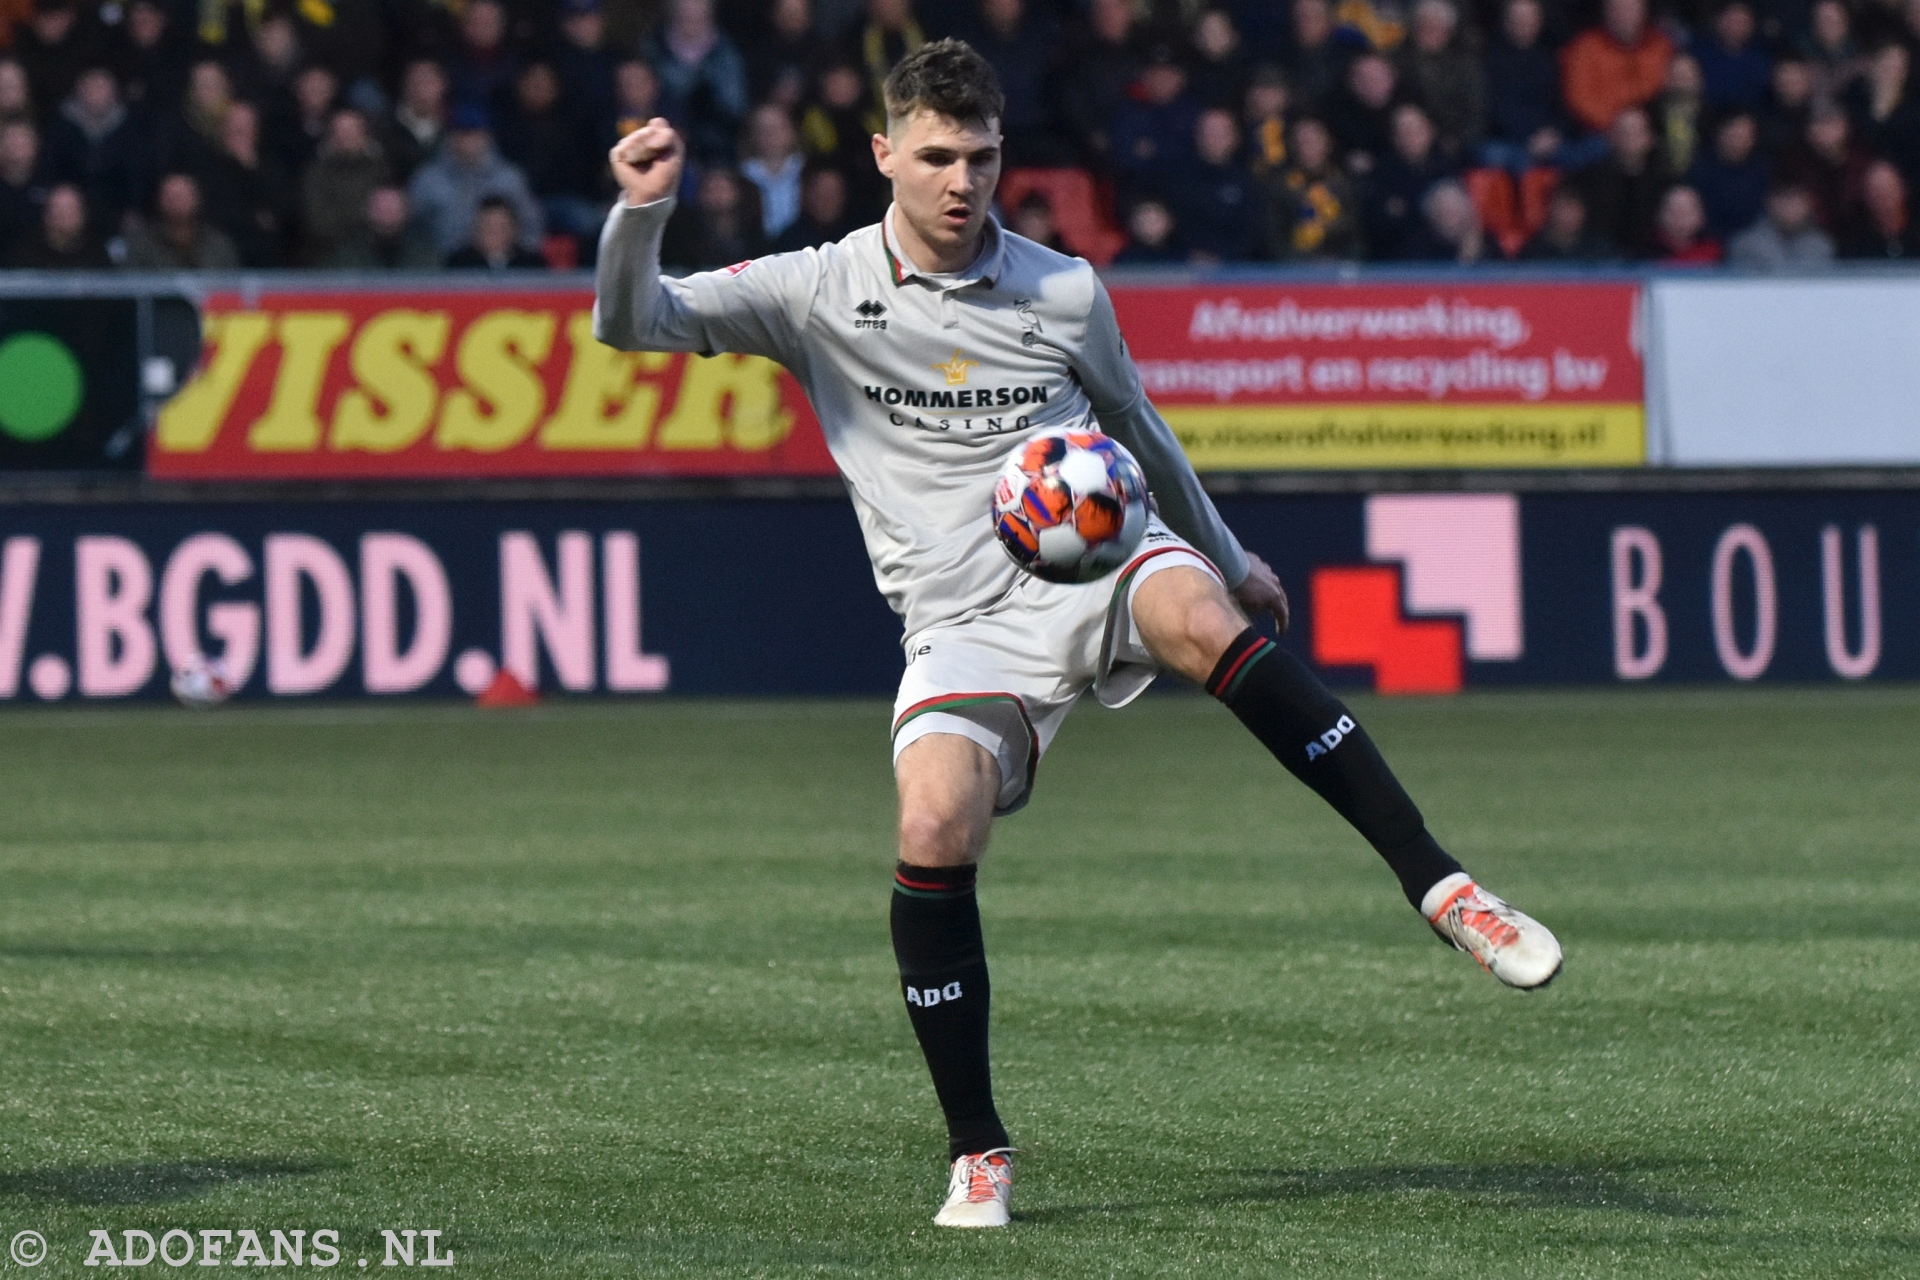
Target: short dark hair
[{"x": 947, "y": 77}]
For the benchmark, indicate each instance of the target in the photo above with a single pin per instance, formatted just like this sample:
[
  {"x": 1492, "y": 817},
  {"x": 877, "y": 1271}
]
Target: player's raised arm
[
  {"x": 1125, "y": 413},
  {"x": 758, "y": 310}
]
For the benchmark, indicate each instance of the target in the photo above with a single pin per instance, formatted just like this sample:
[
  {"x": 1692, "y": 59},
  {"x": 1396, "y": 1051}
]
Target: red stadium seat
[
  {"x": 1536, "y": 189},
  {"x": 561, "y": 252},
  {"x": 1493, "y": 194},
  {"x": 1085, "y": 221}
]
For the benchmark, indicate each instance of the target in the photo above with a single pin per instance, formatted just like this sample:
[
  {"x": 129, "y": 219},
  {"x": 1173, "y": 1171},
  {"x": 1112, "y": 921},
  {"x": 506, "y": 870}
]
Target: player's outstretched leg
[
  {"x": 1316, "y": 738},
  {"x": 947, "y": 788}
]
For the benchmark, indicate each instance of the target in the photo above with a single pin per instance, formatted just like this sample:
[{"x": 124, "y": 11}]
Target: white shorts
[{"x": 1007, "y": 678}]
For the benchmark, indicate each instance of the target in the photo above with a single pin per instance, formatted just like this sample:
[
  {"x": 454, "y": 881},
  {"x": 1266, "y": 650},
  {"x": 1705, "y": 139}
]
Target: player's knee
[
  {"x": 1187, "y": 619},
  {"x": 931, "y": 837}
]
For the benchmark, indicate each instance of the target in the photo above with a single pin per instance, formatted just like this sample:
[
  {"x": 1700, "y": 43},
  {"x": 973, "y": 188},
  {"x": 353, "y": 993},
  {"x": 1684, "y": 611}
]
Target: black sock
[
  {"x": 1312, "y": 733},
  {"x": 943, "y": 974}
]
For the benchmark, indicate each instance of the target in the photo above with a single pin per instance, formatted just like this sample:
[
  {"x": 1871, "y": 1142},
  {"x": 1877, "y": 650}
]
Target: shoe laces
[
  {"x": 1485, "y": 915},
  {"x": 984, "y": 1175}
]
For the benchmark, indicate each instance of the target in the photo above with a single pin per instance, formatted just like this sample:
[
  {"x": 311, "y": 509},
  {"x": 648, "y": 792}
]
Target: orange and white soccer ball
[{"x": 1071, "y": 505}]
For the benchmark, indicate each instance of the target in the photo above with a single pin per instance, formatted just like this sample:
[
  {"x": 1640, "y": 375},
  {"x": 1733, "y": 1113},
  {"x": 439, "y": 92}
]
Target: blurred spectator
[
  {"x": 782, "y": 58},
  {"x": 483, "y": 68},
  {"x": 585, "y": 64},
  {"x": 1828, "y": 165},
  {"x": 773, "y": 164},
  {"x": 94, "y": 145},
  {"x": 178, "y": 238},
  {"x": 1152, "y": 238},
  {"x": 339, "y": 184},
  {"x": 191, "y": 135},
  {"x": 1214, "y": 197},
  {"x": 1732, "y": 177},
  {"x": 719, "y": 227},
  {"x": 1789, "y": 103},
  {"x": 1444, "y": 76},
  {"x": 1526, "y": 123},
  {"x": 1676, "y": 115},
  {"x": 1566, "y": 237},
  {"x": 1317, "y": 215},
  {"x": 152, "y": 61},
  {"x": 1786, "y": 239},
  {"x": 1888, "y": 115},
  {"x": 1734, "y": 70},
  {"x": 823, "y": 211},
  {"x": 1882, "y": 229},
  {"x": 1396, "y": 190},
  {"x": 889, "y": 33},
  {"x": 62, "y": 241},
  {"x": 16, "y": 95},
  {"x": 1220, "y": 69},
  {"x": 833, "y": 131},
  {"x": 1449, "y": 228},
  {"x": 1829, "y": 49},
  {"x": 1100, "y": 68},
  {"x": 1264, "y": 116},
  {"x": 247, "y": 194},
  {"x": 1680, "y": 231},
  {"x": 1017, "y": 41},
  {"x": 1153, "y": 130},
  {"x": 349, "y": 37},
  {"x": 420, "y": 119},
  {"x": 558, "y": 157},
  {"x": 316, "y": 92},
  {"x": 1619, "y": 64},
  {"x": 447, "y": 190},
  {"x": 1361, "y": 112},
  {"x": 1034, "y": 220},
  {"x": 54, "y": 48},
  {"x": 1313, "y": 62},
  {"x": 703, "y": 82},
  {"x": 636, "y": 98},
  {"x": 1623, "y": 191},
  {"x": 383, "y": 238},
  {"x": 23, "y": 184},
  {"x": 265, "y": 72},
  {"x": 495, "y": 244}
]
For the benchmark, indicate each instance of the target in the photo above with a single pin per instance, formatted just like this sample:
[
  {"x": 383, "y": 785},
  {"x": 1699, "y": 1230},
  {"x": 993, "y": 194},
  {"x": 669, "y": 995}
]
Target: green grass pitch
[{"x": 605, "y": 990}]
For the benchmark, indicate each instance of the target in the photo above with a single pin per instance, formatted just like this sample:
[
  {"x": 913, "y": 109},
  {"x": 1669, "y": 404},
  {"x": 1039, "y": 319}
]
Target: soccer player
[{"x": 932, "y": 345}]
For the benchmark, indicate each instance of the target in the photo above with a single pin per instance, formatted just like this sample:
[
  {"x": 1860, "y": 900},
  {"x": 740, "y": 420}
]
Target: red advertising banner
[
  {"x": 1458, "y": 374},
  {"x": 467, "y": 384},
  {"x": 472, "y": 383}
]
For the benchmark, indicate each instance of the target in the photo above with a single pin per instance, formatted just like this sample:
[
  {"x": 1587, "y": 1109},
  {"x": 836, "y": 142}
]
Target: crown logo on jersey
[{"x": 956, "y": 368}]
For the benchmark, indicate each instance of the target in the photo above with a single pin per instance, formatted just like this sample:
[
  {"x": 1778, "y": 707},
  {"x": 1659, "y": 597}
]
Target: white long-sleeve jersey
[{"x": 923, "y": 385}]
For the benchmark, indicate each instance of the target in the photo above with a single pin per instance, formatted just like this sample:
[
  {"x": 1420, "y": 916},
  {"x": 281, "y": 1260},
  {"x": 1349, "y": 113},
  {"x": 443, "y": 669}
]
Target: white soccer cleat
[
  {"x": 978, "y": 1191},
  {"x": 1509, "y": 944}
]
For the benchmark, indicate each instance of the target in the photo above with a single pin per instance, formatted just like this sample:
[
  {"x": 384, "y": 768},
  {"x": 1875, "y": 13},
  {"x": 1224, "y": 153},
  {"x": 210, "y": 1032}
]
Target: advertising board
[
  {"x": 447, "y": 384},
  {"x": 1413, "y": 593},
  {"x": 1805, "y": 373},
  {"x": 1463, "y": 374}
]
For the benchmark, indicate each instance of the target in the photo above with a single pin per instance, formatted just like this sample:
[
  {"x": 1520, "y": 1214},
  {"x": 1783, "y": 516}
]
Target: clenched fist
[{"x": 647, "y": 162}]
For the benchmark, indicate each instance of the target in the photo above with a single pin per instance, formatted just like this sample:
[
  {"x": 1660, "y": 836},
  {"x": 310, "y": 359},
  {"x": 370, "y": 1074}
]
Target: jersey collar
[{"x": 985, "y": 269}]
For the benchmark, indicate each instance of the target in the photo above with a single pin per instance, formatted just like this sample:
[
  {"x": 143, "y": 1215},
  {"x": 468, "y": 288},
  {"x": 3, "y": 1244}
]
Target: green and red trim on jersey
[
  {"x": 1234, "y": 664},
  {"x": 955, "y": 701}
]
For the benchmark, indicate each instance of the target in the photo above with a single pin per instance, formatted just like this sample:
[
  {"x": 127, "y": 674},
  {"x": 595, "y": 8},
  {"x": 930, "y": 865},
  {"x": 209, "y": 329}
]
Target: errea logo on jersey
[
  {"x": 867, "y": 315},
  {"x": 1331, "y": 738},
  {"x": 927, "y": 997}
]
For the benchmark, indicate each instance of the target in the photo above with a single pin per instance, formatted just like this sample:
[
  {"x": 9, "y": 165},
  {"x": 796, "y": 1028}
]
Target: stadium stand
[{"x": 365, "y": 134}]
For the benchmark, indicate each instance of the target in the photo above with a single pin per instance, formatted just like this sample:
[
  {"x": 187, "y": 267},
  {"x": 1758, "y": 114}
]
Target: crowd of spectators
[{"x": 471, "y": 134}]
